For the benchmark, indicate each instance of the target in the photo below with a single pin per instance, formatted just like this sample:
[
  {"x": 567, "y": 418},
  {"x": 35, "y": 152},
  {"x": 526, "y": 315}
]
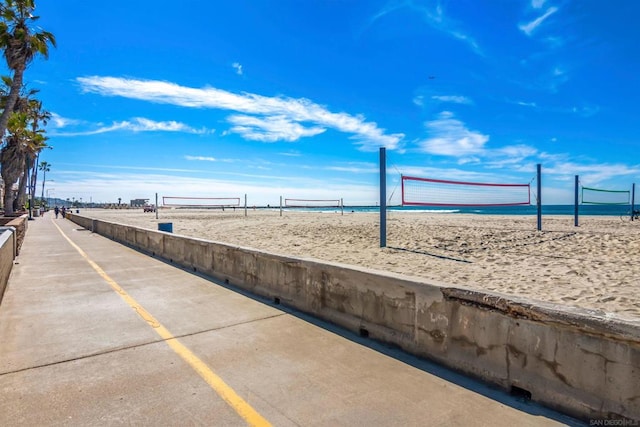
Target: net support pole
[
  {"x": 575, "y": 201},
  {"x": 539, "y": 201},
  {"x": 341, "y": 206},
  {"x": 633, "y": 200},
  {"x": 280, "y": 205},
  {"x": 245, "y": 204},
  {"x": 156, "y": 205},
  {"x": 383, "y": 197}
]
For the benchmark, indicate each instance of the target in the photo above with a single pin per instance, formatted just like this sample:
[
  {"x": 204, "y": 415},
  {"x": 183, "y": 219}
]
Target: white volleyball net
[
  {"x": 200, "y": 202},
  {"x": 312, "y": 203}
]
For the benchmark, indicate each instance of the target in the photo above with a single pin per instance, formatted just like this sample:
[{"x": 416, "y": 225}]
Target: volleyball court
[
  {"x": 421, "y": 191},
  {"x": 472, "y": 236}
]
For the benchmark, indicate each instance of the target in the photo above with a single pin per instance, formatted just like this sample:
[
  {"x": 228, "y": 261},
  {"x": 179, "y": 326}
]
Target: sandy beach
[{"x": 595, "y": 265}]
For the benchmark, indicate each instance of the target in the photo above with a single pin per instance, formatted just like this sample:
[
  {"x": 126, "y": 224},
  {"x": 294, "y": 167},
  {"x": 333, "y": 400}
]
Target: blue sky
[{"x": 294, "y": 98}]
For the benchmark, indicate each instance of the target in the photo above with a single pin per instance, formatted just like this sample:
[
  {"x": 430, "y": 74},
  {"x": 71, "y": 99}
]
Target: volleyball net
[
  {"x": 200, "y": 202},
  {"x": 436, "y": 192},
  {"x": 312, "y": 203},
  {"x": 597, "y": 196}
]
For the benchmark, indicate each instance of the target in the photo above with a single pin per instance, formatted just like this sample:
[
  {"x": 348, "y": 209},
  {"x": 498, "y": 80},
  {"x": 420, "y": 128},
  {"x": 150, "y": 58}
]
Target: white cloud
[
  {"x": 516, "y": 152},
  {"x": 514, "y": 157},
  {"x": 593, "y": 174},
  {"x": 368, "y": 136},
  {"x": 537, "y": 4},
  {"x": 238, "y": 67},
  {"x": 201, "y": 158},
  {"x": 138, "y": 124},
  {"x": 555, "y": 41},
  {"x": 356, "y": 167},
  {"x": 454, "y": 99},
  {"x": 59, "y": 122},
  {"x": 450, "y": 137},
  {"x": 291, "y": 153},
  {"x": 558, "y": 72},
  {"x": 530, "y": 27},
  {"x": 437, "y": 19},
  {"x": 270, "y": 128}
]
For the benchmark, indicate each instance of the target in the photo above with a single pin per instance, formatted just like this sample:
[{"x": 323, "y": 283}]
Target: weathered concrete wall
[
  {"x": 578, "y": 361},
  {"x": 20, "y": 224},
  {"x": 8, "y": 248}
]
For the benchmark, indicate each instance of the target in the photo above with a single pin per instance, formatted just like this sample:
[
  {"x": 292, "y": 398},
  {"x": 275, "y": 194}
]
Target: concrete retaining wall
[
  {"x": 19, "y": 223},
  {"x": 8, "y": 251},
  {"x": 574, "y": 360}
]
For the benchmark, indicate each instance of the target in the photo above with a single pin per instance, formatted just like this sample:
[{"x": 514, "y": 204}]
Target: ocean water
[{"x": 611, "y": 210}]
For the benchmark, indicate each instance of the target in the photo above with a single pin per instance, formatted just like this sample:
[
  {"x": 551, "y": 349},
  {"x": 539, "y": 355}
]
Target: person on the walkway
[
  {"x": 57, "y": 211},
  {"x": 64, "y": 211}
]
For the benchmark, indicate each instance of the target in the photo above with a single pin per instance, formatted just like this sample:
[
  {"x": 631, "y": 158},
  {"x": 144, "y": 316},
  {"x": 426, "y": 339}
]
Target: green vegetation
[{"x": 22, "y": 137}]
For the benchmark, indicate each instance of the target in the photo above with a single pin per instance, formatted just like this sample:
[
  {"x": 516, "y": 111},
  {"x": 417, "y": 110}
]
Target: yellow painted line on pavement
[{"x": 250, "y": 415}]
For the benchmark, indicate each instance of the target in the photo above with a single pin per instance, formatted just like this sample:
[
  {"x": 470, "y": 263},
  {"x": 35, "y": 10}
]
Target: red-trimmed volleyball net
[
  {"x": 200, "y": 202},
  {"x": 437, "y": 192}
]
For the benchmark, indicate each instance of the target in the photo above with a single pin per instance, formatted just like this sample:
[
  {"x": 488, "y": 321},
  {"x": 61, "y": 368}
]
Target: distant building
[{"x": 138, "y": 203}]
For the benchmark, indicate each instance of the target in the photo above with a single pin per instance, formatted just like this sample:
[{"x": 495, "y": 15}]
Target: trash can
[{"x": 165, "y": 226}]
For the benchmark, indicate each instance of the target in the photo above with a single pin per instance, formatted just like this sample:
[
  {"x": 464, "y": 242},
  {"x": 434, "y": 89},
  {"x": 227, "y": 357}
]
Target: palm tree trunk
[
  {"x": 8, "y": 199},
  {"x": 44, "y": 179},
  {"x": 12, "y": 167},
  {"x": 21, "y": 198},
  {"x": 14, "y": 92},
  {"x": 33, "y": 181}
]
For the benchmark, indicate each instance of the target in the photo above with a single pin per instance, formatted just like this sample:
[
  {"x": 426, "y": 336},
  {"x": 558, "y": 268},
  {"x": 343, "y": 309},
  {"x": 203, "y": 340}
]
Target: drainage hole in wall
[
  {"x": 364, "y": 333},
  {"x": 520, "y": 393},
  {"x": 276, "y": 300},
  {"x": 226, "y": 281},
  {"x": 195, "y": 269}
]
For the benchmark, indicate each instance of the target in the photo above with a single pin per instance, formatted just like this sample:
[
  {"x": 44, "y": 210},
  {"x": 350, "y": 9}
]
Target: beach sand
[{"x": 595, "y": 265}]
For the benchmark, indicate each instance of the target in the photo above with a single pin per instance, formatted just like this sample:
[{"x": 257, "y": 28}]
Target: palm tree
[
  {"x": 37, "y": 115},
  {"x": 12, "y": 158},
  {"x": 20, "y": 150},
  {"x": 44, "y": 167},
  {"x": 21, "y": 44},
  {"x": 32, "y": 144}
]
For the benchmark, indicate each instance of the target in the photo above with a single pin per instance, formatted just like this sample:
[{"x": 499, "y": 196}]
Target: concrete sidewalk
[{"x": 94, "y": 333}]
